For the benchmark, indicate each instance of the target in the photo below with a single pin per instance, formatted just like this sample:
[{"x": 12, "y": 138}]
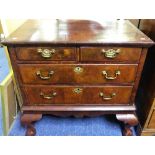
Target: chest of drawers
[{"x": 77, "y": 67}]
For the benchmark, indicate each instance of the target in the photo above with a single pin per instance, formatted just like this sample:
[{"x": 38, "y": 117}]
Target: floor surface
[{"x": 55, "y": 126}]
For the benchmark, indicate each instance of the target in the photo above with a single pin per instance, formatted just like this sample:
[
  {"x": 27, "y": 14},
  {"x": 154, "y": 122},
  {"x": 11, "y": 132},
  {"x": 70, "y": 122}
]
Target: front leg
[
  {"x": 129, "y": 120},
  {"x": 27, "y": 120}
]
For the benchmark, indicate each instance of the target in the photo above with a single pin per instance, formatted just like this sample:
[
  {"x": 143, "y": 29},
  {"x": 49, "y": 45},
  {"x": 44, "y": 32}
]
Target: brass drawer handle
[
  {"x": 78, "y": 70},
  {"x": 111, "y": 53},
  {"x": 117, "y": 72},
  {"x": 46, "y": 53},
  {"x": 48, "y": 97},
  {"x": 44, "y": 77},
  {"x": 105, "y": 97}
]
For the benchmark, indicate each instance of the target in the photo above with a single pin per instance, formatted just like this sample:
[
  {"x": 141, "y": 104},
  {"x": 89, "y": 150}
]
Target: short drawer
[
  {"x": 78, "y": 95},
  {"x": 45, "y": 53},
  {"x": 80, "y": 73},
  {"x": 151, "y": 124},
  {"x": 102, "y": 54}
]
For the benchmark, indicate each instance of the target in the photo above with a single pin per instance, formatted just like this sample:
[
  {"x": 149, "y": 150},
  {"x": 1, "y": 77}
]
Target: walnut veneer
[{"x": 78, "y": 67}]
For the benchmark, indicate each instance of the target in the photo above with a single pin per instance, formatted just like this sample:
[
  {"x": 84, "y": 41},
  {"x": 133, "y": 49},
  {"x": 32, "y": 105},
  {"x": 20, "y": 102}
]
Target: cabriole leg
[
  {"x": 27, "y": 120},
  {"x": 128, "y": 120}
]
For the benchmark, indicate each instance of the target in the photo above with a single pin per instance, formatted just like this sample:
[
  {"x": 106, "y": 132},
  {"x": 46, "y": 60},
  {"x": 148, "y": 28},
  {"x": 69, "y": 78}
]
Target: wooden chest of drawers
[{"x": 78, "y": 67}]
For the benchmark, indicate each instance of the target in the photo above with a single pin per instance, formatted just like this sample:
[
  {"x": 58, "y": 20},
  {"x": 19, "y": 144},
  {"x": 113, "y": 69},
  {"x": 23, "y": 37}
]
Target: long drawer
[
  {"x": 46, "y": 53},
  {"x": 77, "y": 74},
  {"x": 110, "y": 54},
  {"x": 42, "y": 95}
]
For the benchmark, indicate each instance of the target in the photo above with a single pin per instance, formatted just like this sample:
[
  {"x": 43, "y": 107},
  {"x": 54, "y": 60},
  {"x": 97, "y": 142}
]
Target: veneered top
[{"x": 83, "y": 32}]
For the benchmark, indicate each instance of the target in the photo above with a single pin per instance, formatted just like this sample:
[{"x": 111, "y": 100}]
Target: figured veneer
[
  {"x": 67, "y": 73},
  {"x": 45, "y": 53},
  {"x": 43, "y": 95},
  {"x": 110, "y": 54},
  {"x": 78, "y": 68}
]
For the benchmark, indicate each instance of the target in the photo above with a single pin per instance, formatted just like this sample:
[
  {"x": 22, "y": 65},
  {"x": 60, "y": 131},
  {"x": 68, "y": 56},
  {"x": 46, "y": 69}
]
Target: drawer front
[
  {"x": 152, "y": 121},
  {"x": 45, "y": 53},
  {"x": 96, "y": 54},
  {"x": 78, "y": 95},
  {"x": 80, "y": 74}
]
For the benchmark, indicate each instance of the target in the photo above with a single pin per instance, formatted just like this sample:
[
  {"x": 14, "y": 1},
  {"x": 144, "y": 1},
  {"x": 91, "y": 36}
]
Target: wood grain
[
  {"x": 151, "y": 124},
  {"x": 94, "y": 54},
  {"x": 65, "y": 74},
  {"x": 31, "y": 54},
  {"x": 82, "y": 32},
  {"x": 78, "y": 44},
  {"x": 88, "y": 95}
]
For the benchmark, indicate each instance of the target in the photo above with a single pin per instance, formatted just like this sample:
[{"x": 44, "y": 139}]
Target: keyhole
[
  {"x": 78, "y": 70},
  {"x": 77, "y": 90}
]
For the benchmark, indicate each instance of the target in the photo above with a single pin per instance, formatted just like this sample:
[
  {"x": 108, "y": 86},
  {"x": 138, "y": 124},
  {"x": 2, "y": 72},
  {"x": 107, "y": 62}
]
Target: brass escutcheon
[
  {"x": 77, "y": 90},
  {"x": 78, "y": 70}
]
